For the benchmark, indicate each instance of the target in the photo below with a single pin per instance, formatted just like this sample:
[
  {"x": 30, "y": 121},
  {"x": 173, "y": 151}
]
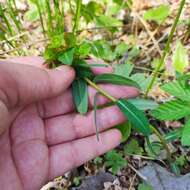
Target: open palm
[{"x": 42, "y": 136}]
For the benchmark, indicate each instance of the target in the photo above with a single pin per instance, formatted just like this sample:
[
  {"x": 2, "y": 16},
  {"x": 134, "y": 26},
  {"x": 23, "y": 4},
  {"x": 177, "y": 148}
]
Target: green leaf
[
  {"x": 90, "y": 10},
  {"x": 177, "y": 89},
  {"x": 66, "y": 57},
  {"x": 32, "y": 14},
  {"x": 84, "y": 49},
  {"x": 144, "y": 186},
  {"x": 142, "y": 80},
  {"x": 133, "y": 53},
  {"x": 175, "y": 169},
  {"x": 133, "y": 148},
  {"x": 153, "y": 149},
  {"x": 98, "y": 160},
  {"x": 80, "y": 95},
  {"x": 180, "y": 58},
  {"x": 185, "y": 139},
  {"x": 158, "y": 14},
  {"x": 102, "y": 49},
  {"x": 181, "y": 160},
  {"x": 115, "y": 161},
  {"x": 83, "y": 63},
  {"x": 50, "y": 54},
  {"x": 173, "y": 135},
  {"x": 171, "y": 110},
  {"x": 125, "y": 130},
  {"x": 115, "y": 79},
  {"x": 123, "y": 69},
  {"x": 135, "y": 116},
  {"x": 70, "y": 39},
  {"x": 83, "y": 72},
  {"x": 56, "y": 41},
  {"x": 143, "y": 104},
  {"x": 121, "y": 49},
  {"x": 108, "y": 22}
]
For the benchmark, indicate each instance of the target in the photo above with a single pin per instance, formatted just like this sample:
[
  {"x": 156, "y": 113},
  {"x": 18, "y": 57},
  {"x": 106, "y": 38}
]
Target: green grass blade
[
  {"x": 77, "y": 15},
  {"x": 49, "y": 17},
  {"x": 13, "y": 14},
  {"x": 2, "y": 14},
  {"x": 135, "y": 116}
]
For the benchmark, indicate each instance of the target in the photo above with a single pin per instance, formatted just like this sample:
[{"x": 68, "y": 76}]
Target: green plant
[
  {"x": 158, "y": 14},
  {"x": 133, "y": 148},
  {"x": 74, "y": 54},
  {"x": 166, "y": 49},
  {"x": 115, "y": 161},
  {"x": 178, "y": 107},
  {"x": 144, "y": 186}
]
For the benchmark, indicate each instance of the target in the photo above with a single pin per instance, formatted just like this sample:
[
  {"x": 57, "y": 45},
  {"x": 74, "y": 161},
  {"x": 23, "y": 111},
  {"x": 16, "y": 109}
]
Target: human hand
[{"x": 41, "y": 135}]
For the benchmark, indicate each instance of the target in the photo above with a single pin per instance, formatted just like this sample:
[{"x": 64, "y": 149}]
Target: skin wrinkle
[
  {"x": 13, "y": 160},
  {"x": 4, "y": 97},
  {"x": 11, "y": 83},
  {"x": 9, "y": 151},
  {"x": 31, "y": 142},
  {"x": 73, "y": 153},
  {"x": 40, "y": 107}
]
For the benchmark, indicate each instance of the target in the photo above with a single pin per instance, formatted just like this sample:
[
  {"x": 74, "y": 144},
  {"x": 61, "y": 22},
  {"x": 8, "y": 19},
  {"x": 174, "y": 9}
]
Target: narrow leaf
[
  {"x": 115, "y": 79},
  {"x": 135, "y": 116},
  {"x": 123, "y": 69},
  {"x": 185, "y": 139},
  {"x": 95, "y": 115},
  {"x": 125, "y": 130},
  {"x": 171, "y": 110},
  {"x": 83, "y": 63},
  {"x": 158, "y": 14},
  {"x": 175, "y": 168},
  {"x": 67, "y": 56},
  {"x": 143, "y": 104},
  {"x": 180, "y": 58},
  {"x": 80, "y": 95},
  {"x": 173, "y": 135}
]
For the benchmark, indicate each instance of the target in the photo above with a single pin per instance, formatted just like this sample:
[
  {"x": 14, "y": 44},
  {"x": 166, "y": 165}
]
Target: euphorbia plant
[{"x": 75, "y": 53}]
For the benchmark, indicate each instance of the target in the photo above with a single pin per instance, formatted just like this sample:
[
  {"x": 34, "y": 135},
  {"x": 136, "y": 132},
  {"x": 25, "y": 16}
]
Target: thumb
[{"x": 22, "y": 84}]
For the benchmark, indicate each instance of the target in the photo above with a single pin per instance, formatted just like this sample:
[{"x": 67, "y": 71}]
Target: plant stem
[
  {"x": 58, "y": 16},
  {"x": 49, "y": 20},
  {"x": 166, "y": 49},
  {"x": 162, "y": 140},
  {"x": 100, "y": 90},
  {"x": 41, "y": 19},
  {"x": 77, "y": 16},
  {"x": 13, "y": 14},
  {"x": 70, "y": 6},
  {"x": 2, "y": 14}
]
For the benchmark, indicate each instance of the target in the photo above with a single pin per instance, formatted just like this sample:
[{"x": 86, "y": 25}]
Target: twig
[
  {"x": 149, "y": 33},
  {"x": 18, "y": 48},
  {"x": 137, "y": 172},
  {"x": 132, "y": 182},
  {"x": 14, "y": 37}
]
